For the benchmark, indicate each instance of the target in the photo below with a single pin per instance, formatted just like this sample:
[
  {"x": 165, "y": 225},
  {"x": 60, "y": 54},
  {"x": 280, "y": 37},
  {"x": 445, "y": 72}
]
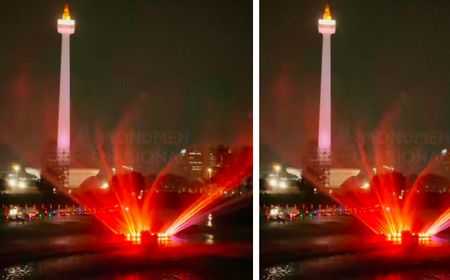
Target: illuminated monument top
[
  {"x": 327, "y": 26},
  {"x": 66, "y": 27}
]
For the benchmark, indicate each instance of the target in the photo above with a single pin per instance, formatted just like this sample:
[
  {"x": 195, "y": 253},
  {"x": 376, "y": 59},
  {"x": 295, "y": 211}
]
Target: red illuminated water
[
  {"x": 390, "y": 203},
  {"x": 127, "y": 204},
  {"x": 389, "y": 206}
]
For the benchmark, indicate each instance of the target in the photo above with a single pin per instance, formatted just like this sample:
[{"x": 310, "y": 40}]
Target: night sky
[
  {"x": 390, "y": 68},
  {"x": 183, "y": 66}
]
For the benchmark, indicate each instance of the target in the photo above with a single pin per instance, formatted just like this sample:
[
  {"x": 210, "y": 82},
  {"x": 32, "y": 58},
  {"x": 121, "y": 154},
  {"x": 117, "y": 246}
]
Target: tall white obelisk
[
  {"x": 327, "y": 26},
  {"x": 66, "y": 27}
]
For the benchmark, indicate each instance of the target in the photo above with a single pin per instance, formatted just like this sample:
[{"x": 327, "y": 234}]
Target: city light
[
  {"x": 13, "y": 211},
  {"x": 276, "y": 167},
  {"x": 209, "y": 222},
  {"x": 209, "y": 172},
  {"x": 22, "y": 184},
  {"x": 16, "y": 167},
  {"x": 12, "y": 182},
  {"x": 273, "y": 182},
  {"x": 274, "y": 212}
]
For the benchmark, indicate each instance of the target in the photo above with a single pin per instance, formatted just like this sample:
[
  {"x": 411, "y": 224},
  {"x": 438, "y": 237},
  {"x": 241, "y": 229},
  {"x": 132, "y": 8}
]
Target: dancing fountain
[{"x": 131, "y": 207}]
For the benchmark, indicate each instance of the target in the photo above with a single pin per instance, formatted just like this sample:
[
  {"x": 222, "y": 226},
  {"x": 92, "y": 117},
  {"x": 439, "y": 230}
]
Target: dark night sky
[
  {"x": 389, "y": 58},
  {"x": 183, "y": 65}
]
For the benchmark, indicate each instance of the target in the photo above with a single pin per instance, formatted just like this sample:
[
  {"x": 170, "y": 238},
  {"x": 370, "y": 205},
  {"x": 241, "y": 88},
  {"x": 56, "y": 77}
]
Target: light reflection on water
[
  {"x": 209, "y": 239},
  {"x": 30, "y": 271},
  {"x": 33, "y": 270},
  {"x": 155, "y": 275},
  {"x": 410, "y": 275},
  {"x": 204, "y": 238},
  {"x": 295, "y": 271},
  {"x": 279, "y": 272},
  {"x": 16, "y": 272}
]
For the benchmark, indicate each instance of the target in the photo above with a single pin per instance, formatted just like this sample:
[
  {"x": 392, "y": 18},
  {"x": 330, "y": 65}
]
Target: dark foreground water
[
  {"x": 296, "y": 271},
  {"x": 81, "y": 248},
  {"x": 340, "y": 247}
]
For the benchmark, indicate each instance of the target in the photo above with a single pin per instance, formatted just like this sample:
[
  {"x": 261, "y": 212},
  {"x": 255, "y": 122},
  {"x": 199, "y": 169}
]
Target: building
[
  {"x": 66, "y": 27},
  {"x": 193, "y": 161},
  {"x": 218, "y": 159},
  {"x": 203, "y": 163},
  {"x": 327, "y": 27}
]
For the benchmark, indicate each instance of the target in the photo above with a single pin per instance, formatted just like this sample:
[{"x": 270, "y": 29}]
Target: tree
[
  {"x": 44, "y": 186},
  {"x": 2, "y": 185}
]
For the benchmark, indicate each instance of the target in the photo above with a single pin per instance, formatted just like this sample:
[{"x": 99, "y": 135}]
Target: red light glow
[
  {"x": 390, "y": 203},
  {"x": 132, "y": 208}
]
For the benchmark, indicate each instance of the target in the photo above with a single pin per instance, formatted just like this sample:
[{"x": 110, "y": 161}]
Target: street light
[
  {"x": 277, "y": 169},
  {"x": 12, "y": 182},
  {"x": 283, "y": 185},
  {"x": 273, "y": 182},
  {"x": 16, "y": 169},
  {"x": 209, "y": 172},
  {"x": 22, "y": 184}
]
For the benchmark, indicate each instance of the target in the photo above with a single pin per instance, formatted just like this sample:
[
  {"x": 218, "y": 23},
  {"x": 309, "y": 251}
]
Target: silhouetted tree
[
  {"x": 2, "y": 185},
  {"x": 44, "y": 185},
  {"x": 263, "y": 186}
]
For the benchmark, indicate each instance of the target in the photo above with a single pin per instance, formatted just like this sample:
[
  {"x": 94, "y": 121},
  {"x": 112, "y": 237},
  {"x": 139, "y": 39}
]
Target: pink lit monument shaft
[
  {"x": 327, "y": 26},
  {"x": 66, "y": 27}
]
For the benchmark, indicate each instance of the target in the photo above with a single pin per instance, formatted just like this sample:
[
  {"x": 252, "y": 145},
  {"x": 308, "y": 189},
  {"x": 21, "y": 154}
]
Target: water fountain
[
  {"x": 130, "y": 206},
  {"x": 396, "y": 207}
]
